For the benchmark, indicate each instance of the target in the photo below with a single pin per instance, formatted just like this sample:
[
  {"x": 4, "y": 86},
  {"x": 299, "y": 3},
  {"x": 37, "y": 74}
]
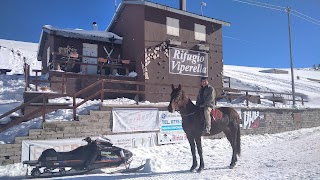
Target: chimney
[
  {"x": 94, "y": 26},
  {"x": 183, "y": 5}
]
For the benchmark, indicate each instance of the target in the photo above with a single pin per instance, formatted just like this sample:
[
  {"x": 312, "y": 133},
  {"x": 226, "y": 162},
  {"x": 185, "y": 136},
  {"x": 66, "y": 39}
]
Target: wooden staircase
[{"x": 39, "y": 105}]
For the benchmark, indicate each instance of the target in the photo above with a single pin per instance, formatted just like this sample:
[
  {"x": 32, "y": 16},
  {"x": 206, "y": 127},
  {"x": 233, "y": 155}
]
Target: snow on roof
[
  {"x": 84, "y": 34},
  {"x": 162, "y": 7}
]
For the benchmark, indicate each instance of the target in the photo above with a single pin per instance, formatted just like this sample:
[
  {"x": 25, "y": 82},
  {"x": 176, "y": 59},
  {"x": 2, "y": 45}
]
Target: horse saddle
[{"x": 216, "y": 114}]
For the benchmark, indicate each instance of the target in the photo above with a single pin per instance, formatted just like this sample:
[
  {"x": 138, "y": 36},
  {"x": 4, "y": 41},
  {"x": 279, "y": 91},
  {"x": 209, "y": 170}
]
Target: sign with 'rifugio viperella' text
[{"x": 188, "y": 62}]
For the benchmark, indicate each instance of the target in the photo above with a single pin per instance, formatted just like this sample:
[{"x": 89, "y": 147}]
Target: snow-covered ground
[
  {"x": 291, "y": 155},
  {"x": 250, "y": 78},
  {"x": 13, "y": 54}
]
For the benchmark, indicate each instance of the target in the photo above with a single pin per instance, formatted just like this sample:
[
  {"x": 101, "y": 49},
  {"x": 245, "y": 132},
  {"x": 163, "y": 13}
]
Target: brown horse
[{"x": 193, "y": 123}]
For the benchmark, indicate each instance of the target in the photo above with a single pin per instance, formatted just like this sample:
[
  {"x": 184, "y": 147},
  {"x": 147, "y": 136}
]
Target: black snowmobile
[{"x": 95, "y": 155}]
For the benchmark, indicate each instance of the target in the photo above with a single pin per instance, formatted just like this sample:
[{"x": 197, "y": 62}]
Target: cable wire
[
  {"x": 281, "y": 7},
  {"x": 258, "y": 5},
  {"x": 306, "y": 19},
  {"x": 305, "y": 15}
]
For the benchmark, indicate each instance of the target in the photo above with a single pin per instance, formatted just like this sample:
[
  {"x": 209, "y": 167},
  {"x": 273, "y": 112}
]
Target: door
[{"x": 89, "y": 50}]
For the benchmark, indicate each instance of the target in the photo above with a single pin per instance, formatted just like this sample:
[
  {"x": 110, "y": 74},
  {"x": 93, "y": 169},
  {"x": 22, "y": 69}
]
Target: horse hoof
[
  {"x": 192, "y": 168},
  {"x": 200, "y": 169},
  {"x": 231, "y": 166}
]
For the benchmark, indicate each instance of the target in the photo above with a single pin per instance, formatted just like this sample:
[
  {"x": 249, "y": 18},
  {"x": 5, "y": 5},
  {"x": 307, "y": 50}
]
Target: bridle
[{"x": 176, "y": 104}]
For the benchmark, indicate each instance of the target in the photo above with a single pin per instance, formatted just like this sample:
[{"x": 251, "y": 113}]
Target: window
[
  {"x": 199, "y": 32},
  {"x": 172, "y": 26}
]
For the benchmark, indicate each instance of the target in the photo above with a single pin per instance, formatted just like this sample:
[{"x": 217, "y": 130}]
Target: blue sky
[{"x": 257, "y": 36}]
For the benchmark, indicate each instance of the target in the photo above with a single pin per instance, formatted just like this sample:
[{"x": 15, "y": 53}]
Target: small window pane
[
  {"x": 172, "y": 26},
  {"x": 199, "y": 32}
]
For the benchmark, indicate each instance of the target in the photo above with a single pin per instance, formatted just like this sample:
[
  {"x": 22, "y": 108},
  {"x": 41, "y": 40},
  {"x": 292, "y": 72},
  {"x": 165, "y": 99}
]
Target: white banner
[
  {"x": 32, "y": 149},
  {"x": 133, "y": 119},
  {"x": 168, "y": 138},
  {"x": 170, "y": 121}
]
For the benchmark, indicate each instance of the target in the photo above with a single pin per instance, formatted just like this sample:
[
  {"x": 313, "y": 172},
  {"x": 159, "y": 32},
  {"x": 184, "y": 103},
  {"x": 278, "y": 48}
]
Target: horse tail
[{"x": 238, "y": 141}]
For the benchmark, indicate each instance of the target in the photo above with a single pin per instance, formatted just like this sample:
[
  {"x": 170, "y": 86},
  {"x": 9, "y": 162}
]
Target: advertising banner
[
  {"x": 134, "y": 119},
  {"x": 253, "y": 119},
  {"x": 168, "y": 138},
  {"x": 32, "y": 149},
  {"x": 170, "y": 121},
  {"x": 188, "y": 62}
]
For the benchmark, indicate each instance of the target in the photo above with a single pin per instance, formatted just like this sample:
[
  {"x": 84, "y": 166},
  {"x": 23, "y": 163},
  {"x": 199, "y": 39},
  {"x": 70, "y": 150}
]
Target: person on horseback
[{"x": 206, "y": 100}]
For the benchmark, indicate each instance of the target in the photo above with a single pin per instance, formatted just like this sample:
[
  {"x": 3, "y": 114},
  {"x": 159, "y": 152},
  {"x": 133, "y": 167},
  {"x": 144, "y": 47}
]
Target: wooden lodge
[{"x": 159, "y": 44}]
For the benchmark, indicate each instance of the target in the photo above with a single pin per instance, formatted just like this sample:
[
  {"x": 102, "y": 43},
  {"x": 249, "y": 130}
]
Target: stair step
[
  {"x": 15, "y": 117},
  {"x": 51, "y": 104}
]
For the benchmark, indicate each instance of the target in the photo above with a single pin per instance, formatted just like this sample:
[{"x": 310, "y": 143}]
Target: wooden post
[
  {"x": 273, "y": 100},
  {"x": 64, "y": 83},
  {"x": 102, "y": 90},
  {"x": 44, "y": 108},
  {"x": 302, "y": 100},
  {"x": 247, "y": 97},
  {"x": 27, "y": 76},
  {"x": 137, "y": 95},
  {"x": 36, "y": 81},
  {"x": 229, "y": 82},
  {"x": 74, "y": 109}
]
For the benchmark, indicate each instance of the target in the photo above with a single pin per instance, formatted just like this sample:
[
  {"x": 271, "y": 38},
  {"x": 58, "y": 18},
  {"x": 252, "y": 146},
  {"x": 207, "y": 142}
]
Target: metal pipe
[{"x": 183, "y": 5}]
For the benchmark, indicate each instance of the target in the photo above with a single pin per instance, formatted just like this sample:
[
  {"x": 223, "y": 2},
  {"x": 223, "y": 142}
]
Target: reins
[{"x": 186, "y": 114}]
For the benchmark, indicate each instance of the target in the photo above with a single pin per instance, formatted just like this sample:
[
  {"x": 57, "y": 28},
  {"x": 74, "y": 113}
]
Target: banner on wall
[
  {"x": 253, "y": 119},
  {"x": 172, "y": 137},
  {"x": 170, "y": 121},
  {"x": 188, "y": 62},
  {"x": 32, "y": 149},
  {"x": 134, "y": 119}
]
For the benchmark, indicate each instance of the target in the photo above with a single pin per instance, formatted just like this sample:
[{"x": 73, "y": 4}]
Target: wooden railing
[
  {"x": 101, "y": 62},
  {"x": 271, "y": 96},
  {"x": 75, "y": 105}
]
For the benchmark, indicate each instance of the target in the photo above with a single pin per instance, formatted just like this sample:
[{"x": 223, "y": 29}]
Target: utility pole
[{"x": 288, "y": 9}]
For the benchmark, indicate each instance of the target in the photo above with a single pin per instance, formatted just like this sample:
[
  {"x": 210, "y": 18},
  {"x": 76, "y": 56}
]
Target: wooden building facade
[
  {"x": 163, "y": 45},
  {"x": 78, "y": 58},
  {"x": 170, "y": 46}
]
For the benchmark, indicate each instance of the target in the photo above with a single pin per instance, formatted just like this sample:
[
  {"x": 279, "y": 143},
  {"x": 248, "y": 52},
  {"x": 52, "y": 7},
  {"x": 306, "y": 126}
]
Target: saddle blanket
[{"x": 216, "y": 114}]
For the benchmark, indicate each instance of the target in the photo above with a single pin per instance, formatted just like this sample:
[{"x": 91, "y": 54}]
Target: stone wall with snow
[{"x": 254, "y": 121}]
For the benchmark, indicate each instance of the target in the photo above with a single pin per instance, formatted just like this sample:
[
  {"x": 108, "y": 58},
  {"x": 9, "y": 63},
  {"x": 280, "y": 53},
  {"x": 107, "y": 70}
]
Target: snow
[
  {"x": 72, "y": 32},
  {"x": 249, "y": 78},
  {"x": 290, "y": 155},
  {"x": 14, "y": 53}
]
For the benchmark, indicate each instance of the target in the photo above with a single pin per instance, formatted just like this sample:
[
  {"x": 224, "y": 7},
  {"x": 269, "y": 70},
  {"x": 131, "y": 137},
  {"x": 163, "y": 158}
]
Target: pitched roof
[
  {"x": 84, "y": 34},
  {"x": 162, "y": 7}
]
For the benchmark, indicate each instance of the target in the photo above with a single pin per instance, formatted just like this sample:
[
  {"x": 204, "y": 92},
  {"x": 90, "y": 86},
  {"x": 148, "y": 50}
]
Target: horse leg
[
  {"x": 199, "y": 147},
  {"x": 230, "y": 134},
  {"x": 193, "y": 151}
]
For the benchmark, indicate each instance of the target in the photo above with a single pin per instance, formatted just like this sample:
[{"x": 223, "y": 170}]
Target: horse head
[{"x": 176, "y": 97}]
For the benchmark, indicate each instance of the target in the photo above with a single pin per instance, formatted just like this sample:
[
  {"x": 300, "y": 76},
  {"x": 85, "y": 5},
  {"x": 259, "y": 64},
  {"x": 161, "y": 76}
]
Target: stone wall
[{"x": 100, "y": 122}]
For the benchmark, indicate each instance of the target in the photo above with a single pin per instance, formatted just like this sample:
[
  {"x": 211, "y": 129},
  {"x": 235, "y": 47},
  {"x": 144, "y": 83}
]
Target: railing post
[
  {"x": 273, "y": 100},
  {"x": 27, "y": 76},
  {"x": 302, "y": 100},
  {"x": 102, "y": 90},
  {"x": 74, "y": 108},
  {"x": 247, "y": 98},
  {"x": 36, "y": 81},
  {"x": 44, "y": 108}
]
